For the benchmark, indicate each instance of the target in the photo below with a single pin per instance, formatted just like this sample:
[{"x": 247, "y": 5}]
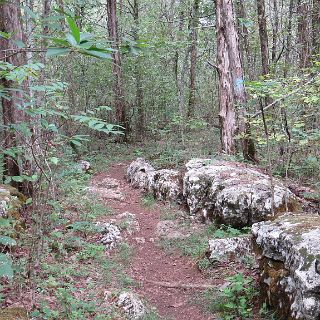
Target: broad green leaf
[
  {"x": 97, "y": 54},
  {"x": 17, "y": 178},
  {"x": 20, "y": 44},
  {"x": 71, "y": 39},
  {"x": 74, "y": 29},
  {"x": 51, "y": 52}
]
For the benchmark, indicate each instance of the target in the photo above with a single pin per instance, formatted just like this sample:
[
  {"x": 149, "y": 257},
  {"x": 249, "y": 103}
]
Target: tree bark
[
  {"x": 288, "y": 40},
  {"x": 138, "y": 75},
  {"x": 194, "y": 23},
  {"x": 264, "y": 43},
  {"x": 228, "y": 42},
  {"x": 227, "y": 115},
  {"x": 316, "y": 27},
  {"x": 303, "y": 36},
  {"x": 10, "y": 22},
  {"x": 120, "y": 103}
]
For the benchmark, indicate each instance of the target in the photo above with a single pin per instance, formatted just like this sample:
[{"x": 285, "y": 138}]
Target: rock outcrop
[
  {"x": 290, "y": 247},
  {"x": 111, "y": 235},
  {"x": 164, "y": 184},
  {"x": 229, "y": 192},
  {"x": 233, "y": 193},
  {"x": 11, "y": 201}
]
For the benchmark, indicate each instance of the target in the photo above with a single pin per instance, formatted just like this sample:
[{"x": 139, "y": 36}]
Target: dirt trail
[{"x": 151, "y": 263}]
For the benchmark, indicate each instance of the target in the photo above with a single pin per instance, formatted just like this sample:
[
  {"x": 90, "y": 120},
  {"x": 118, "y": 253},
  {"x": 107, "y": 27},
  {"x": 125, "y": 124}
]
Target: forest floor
[
  {"x": 161, "y": 257},
  {"x": 165, "y": 266}
]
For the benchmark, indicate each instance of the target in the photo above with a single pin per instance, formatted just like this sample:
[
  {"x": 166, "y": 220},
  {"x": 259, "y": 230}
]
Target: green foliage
[{"x": 6, "y": 269}]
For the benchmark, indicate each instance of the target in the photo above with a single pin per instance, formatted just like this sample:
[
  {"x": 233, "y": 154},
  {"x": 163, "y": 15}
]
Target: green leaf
[
  {"x": 71, "y": 39},
  {"x": 17, "y": 178},
  {"x": 5, "y": 266},
  {"x": 51, "y": 52},
  {"x": 98, "y": 54},
  {"x": 74, "y": 29},
  {"x": 7, "y": 241},
  {"x": 28, "y": 201},
  {"x": 5, "y": 35}
]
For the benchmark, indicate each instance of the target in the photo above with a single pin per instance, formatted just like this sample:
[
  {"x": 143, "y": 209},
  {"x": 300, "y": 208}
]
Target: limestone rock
[
  {"x": 111, "y": 236},
  {"x": 167, "y": 185},
  {"x": 290, "y": 247},
  {"x": 233, "y": 193},
  {"x": 11, "y": 201},
  {"x": 163, "y": 184},
  {"x": 132, "y": 305},
  {"x": 140, "y": 173},
  {"x": 228, "y": 248}
]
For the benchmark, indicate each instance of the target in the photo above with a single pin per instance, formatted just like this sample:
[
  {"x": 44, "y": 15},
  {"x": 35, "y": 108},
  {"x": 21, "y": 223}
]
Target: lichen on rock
[
  {"x": 229, "y": 248},
  {"x": 290, "y": 246},
  {"x": 233, "y": 193}
]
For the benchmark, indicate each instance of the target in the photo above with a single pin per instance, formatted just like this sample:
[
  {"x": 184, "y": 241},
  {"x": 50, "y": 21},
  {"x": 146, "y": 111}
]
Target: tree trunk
[
  {"x": 10, "y": 23},
  {"x": 303, "y": 36},
  {"x": 120, "y": 104},
  {"x": 194, "y": 23},
  {"x": 227, "y": 115},
  {"x": 316, "y": 27},
  {"x": 275, "y": 31},
  {"x": 264, "y": 43},
  {"x": 138, "y": 75},
  {"x": 229, "y": 41},
  {"x": 288, "y": 40}
]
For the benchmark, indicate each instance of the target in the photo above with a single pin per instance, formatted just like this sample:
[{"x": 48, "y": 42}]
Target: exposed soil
[{"x": 150, "y": 263}]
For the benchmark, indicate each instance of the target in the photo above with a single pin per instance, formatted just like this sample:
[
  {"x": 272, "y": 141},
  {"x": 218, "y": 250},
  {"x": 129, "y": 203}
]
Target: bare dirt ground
[{"x": 155, "y": 270}]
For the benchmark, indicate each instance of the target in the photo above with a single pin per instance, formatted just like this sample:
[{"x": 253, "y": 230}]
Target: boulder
[
  {"x": 221, "y": 250},
  {"x": 233, "y": 193},
  {"x": 140, "y": 173},
  {"x": 132, "y": 305},
  {"x": 11, "y": 201},
  {"x": 290, "y": 264},
  {"x": 166, "y": 185},
  {"x": 163, "y": 184}
]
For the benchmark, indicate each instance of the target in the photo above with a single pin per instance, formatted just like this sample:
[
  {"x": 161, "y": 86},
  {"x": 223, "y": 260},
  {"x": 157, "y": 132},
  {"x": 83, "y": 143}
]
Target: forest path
[{"x": 150, "y": 263}]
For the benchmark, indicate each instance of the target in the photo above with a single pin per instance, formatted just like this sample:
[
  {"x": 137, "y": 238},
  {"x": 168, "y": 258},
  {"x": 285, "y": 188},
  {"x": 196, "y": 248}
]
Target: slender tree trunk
[
  {"x": 194, "y": 23},
  {"x": 246, "y": 44},
  {"x": 120, "y": 103},
  {"x": 10, "y": 22},
  {"x": 303, "y": 36},
  {"x": 275, "y": 31},
  {"x": 288, "y": 40},
  {"x": 316, "y": 27},
  {"x": 264, "y": 43},
  {"x": 138, "y": 75}
]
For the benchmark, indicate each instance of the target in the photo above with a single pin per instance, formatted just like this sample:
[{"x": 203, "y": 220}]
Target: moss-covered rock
[
  {"x": 11, "y": 201},
  {"x": 290, "y": 246}
]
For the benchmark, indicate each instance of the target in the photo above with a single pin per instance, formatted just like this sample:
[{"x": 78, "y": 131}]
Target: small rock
[
  {"x": 132, "y": 305},
  {"x": 84, "y": 166},
  {"x": 226, "y": 249},
  {"x": 111, "y": 236},
  {"x": 127, "y": 221},
  {"x": 140, "y": 240}
]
